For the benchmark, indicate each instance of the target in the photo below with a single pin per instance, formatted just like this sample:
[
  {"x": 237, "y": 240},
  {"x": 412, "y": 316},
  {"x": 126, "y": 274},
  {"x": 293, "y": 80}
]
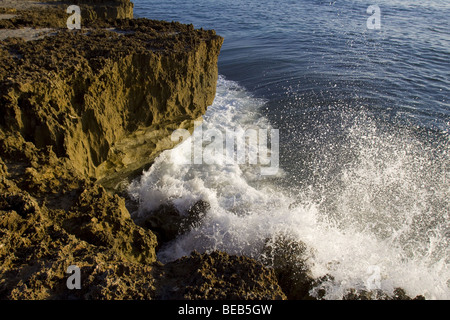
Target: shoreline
[{"x": 84, "y": 111}]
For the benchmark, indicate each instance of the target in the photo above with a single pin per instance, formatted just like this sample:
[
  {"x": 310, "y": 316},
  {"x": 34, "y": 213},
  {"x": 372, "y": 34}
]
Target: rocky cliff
[
  {"x": 108, "y": 99},
  {"x": 81, "y": 111}
]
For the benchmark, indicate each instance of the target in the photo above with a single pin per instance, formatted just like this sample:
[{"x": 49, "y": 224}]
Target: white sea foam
[{"x": 378, "y": 216}]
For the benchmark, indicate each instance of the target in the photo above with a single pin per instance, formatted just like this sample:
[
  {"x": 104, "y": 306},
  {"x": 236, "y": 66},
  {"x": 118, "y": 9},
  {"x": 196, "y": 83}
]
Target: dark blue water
[
  {"x": 322, "y": 50},
  {"x": 363, "y": 114}
]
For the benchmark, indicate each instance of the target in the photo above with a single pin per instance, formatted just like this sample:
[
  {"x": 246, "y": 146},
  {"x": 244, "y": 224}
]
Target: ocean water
[{"x": 363, "y": 120}]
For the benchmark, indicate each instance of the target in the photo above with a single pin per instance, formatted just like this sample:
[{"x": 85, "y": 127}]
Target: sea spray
[{"x": 375, "y": 223}]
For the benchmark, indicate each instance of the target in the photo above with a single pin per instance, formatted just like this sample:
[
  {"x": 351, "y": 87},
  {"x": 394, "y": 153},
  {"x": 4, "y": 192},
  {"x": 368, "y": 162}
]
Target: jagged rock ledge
[
  {"x": 80, "y": 112},
  {"x": 108, "y": 99}
]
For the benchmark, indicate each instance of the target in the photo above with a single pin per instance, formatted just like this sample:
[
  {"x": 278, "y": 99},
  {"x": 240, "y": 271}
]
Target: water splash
[{"x": 384, "y": 208}]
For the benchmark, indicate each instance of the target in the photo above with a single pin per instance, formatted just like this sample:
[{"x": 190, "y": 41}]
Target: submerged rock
[
  {"x": 195, "y": 215},
  {"x": 168, "y": 223}
]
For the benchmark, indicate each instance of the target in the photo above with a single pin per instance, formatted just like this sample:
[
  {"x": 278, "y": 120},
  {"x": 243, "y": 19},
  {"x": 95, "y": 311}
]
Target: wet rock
[
  {"x": 164, "y": 222},
  {"x": 217, "y": 276},
  {"x": 168, "y": 223},
  {"x": 195, "y": 215},
  {"x": 288, "y": 258},
  {"x": 399, "y": 294},
  {"x": 354, "y": 294}
]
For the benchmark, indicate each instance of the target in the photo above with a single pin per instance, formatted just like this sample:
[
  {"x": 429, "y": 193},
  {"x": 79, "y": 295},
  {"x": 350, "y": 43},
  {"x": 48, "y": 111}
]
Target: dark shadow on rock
[
  {"x": 288, "y": 258},
  {"x": 217, "y": 276},
  {"x": 167, "y": 223}
]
